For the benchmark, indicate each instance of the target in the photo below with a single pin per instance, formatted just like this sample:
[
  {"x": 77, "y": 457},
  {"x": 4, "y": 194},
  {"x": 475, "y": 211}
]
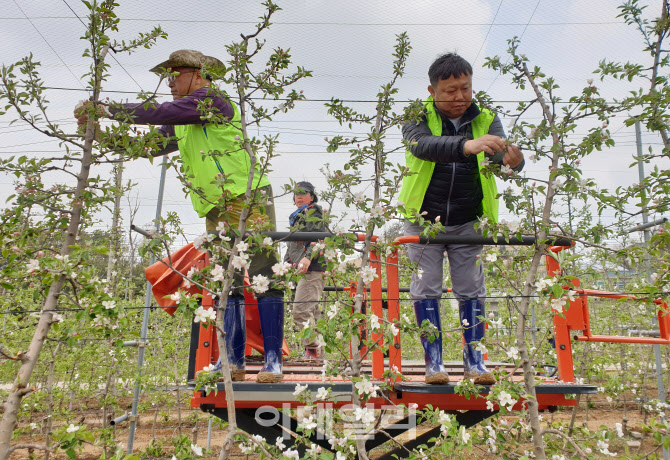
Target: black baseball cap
[{"x": 306, "y": 187}]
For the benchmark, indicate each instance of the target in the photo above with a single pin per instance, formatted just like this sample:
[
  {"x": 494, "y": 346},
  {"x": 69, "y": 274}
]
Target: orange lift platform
[{"x": 257, "y": 405}]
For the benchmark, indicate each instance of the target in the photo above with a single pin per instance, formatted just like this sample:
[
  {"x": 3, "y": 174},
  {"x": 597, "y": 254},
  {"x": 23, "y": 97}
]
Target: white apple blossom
[
  {"x": 197, "y": 450},
  {"x": 465, "y": 322},
  {"x": 419, "y": 273},
  {"x": 200, "y": 315},
  {"x": 191, "y": 274},
  {"x": 513, "y": 226},
  {"x": 513, "y": 353},
  {"x": 210, "y": 368},
  {"x": 267, "y": 241},
  {"x": 543, "y": 284},
  {"x": 313, "y": 450},
  {"x": 241, "y": 261},
  {"x": 217, "y": 273},
  {"x": 374, "y": 322},
  {"x": 365, "y": 415},
  {"x": 490, "y": 406},
  {"x": 299, "y": 389},
  {"x": 72, "y": 428},
  {"x": 492, "y": 257},
  {"x": 242, "y": 246},
  {"x": 322, "y": 394},
  {"x": 485, "y": 162},
  {"x": 308, "y": 423},
  {"x": 318, "y": 246},
  {"x": 377, "y": 211},
  {"x": 465, "y": 436},
  {"x": 557, "y": 305},
  {"x": 260, "y": 284},
  {"x": 332, "y": 310},
  {"x": 558, "y": 183},
  {"x": 280, "y": 443},
  {"x": 394, "y": 330},
  {"x": 32, "y": 266},
  {"x": 109, "y": 304},
  {"x": 603, "y": 447},
  {"x": 506, "y": 400},
  {"x": 339, "y": 335},
  {"x": 368, "y": 274},
  {"x": 619, "y": 429},
  {"x": 505, "y": 169},
  {"x": 291, "y": 453},
  {"x": 481, "y": 348},
  {"x": 281, "y": 268},
  {"x": 443, "y": 418},
  {"x": 364, "y": 387},
  {"x": 176, "y": 297}
]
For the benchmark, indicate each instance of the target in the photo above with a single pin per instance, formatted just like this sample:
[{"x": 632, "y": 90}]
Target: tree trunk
[{"x": 29, "y": 359}]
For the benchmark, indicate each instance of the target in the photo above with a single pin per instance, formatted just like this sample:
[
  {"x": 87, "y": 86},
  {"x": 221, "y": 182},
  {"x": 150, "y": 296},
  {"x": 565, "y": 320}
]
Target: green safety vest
[
  {"x": 414, "y": 186},
  {"x": 201, "y": 169}
]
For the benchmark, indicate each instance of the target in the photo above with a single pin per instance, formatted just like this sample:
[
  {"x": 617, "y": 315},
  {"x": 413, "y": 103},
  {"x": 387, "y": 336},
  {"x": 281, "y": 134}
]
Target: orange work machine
[{"x": 269, "y": 409}]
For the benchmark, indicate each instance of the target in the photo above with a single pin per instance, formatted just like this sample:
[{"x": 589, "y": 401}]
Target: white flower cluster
[
  {"x": 332, "y": 310},
  {"x": 200, "y": 315},
  {"x": 513, "y": 226},
  {"x": 506, "y": 400},
  {"x": 368, "y": 274},
  {"x": 445, "y": 422},
  {"x": 32, "y": 266},
  {"x": 217, "y": 273},
  {"x": 260, "y": 284},
  {"x": 251, "y": 447},
  {"x": 365, "y": 387},
  {"x": 365, "y": 415},
  {"x": 544, "y": 284},
  {"x": 281, "y": 268},
  {"x": 202, "y": 239},
  {"x": 374, "y": 322}
]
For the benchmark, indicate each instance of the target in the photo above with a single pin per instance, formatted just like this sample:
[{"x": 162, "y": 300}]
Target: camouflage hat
[{"x": 187, "y": 58}]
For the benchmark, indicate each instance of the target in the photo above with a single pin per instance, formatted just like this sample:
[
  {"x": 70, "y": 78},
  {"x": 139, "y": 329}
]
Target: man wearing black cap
[
  {"x": 209, "y": 146},
  {"x": 307, "y": 218}
]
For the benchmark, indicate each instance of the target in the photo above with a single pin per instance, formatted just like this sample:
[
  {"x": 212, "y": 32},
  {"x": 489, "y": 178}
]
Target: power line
[
  {"x": 520, "y": 37},
  {"x": 354, "y": 24},
  {"x": 113, "y": 57},
  {"x": 350, "y": 101},
  {"x": 48, "y": 44},
  {"x": 487, "y": 33}
]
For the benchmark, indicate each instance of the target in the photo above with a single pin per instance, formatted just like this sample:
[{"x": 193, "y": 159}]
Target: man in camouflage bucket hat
[{"x": 208, "y": 149}]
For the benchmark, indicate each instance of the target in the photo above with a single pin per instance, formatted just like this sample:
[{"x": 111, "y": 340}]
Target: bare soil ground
[{"x": 167, "y": 427}]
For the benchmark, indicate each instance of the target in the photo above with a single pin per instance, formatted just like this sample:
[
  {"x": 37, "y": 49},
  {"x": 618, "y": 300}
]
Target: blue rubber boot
[
  {"x": 473, "y": 360},
  {"x": 235, "y": 328},
  {"x": 430, "y": 309},
  {"x": 271, "y": 312}
]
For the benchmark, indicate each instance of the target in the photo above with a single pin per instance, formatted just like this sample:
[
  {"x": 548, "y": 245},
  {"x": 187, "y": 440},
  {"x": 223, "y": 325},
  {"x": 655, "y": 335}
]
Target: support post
[
  {"x": 645, "y": 221},
  {"x": 145, "y": 322}
]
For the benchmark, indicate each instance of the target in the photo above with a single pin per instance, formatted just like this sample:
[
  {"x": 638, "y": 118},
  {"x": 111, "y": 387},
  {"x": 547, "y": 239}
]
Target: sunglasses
[{"x": 171, "y": 78}]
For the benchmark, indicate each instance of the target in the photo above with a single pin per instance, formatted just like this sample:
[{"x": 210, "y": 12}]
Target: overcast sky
[{"x": 348, "y": 46}]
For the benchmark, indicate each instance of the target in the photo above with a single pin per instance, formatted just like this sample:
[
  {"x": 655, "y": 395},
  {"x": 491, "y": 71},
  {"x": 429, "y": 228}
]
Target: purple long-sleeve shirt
[{"x": 183, "y": 111}]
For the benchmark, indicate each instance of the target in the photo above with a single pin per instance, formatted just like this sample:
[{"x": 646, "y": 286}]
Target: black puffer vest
[{"x": 455, "y": 190}]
